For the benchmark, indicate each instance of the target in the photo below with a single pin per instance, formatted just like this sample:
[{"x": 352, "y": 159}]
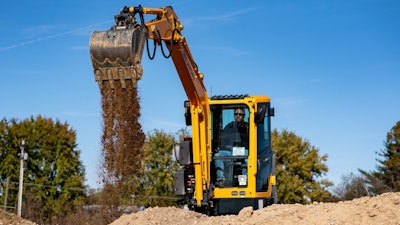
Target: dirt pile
[
  {"x": 12, "y": 219},
  {"x": 383, "y": 209},
  {"x": 122, "y": 137}
]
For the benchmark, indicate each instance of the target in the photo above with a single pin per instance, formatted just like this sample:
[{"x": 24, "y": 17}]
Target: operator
[{"x": 235, "y": 134}]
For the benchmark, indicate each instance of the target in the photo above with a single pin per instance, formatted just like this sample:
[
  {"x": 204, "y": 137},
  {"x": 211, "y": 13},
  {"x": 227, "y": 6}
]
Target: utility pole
[
  {"x": 6, "y": 197},
  {"x": 23, "y": 156}
]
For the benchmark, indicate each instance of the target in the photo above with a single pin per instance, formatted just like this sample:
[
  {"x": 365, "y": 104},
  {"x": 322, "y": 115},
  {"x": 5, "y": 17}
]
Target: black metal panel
[
  {"x": 233, "y": 206},
  {"x": 227, "y": 206},
  {"x": 179, "y": 183}
]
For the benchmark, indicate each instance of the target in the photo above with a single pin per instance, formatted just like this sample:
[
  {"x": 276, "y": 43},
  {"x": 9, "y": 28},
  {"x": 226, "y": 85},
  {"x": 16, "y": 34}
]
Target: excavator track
[{"x": 116, "y": 55}]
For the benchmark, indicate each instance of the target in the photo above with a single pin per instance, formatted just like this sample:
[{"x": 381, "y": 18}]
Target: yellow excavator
[{"x": 227, "y": 163}]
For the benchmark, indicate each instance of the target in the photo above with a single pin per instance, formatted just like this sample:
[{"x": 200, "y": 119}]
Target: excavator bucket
[{"x": 116, "y": 55}]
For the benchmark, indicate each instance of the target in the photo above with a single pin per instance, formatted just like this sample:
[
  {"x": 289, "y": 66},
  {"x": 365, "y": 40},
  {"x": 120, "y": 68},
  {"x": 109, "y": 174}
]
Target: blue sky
[{"x": 331, "y": 68}]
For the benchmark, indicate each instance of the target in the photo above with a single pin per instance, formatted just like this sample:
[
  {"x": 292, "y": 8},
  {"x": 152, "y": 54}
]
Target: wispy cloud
[
  {"x": 226, "y": 16},
  {"x": 46, "y": 29},
  {"x": 225, "y": 50},
  {"x": 40, "y": 30}
]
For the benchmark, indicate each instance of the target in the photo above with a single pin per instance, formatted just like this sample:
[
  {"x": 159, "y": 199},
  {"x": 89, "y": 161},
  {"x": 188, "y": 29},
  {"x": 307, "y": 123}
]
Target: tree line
[
  {"x": 54, "y": 174},
  {"x": 386, "y": 177},
  {"x": 54, "y": 190}
]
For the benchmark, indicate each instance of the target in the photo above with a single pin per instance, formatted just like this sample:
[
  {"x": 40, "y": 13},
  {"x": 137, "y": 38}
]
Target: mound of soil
[
  {"x": 382, "y": 209},
  {"x": 12, "y": 219}
]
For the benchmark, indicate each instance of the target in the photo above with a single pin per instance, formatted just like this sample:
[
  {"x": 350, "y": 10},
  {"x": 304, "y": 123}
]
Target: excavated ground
[
  {"x": 383, "y": 209},
  {"x": 12, "y": 219}
]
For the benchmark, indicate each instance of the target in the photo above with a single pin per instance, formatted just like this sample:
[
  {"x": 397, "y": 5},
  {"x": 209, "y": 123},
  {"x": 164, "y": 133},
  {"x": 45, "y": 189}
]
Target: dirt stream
[{"x": 383, "y": 209}]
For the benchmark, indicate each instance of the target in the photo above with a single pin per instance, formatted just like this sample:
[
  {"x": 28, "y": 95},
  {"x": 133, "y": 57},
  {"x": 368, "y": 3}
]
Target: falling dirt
[
  {"x": 383, "y": 209},
  {"x": 122, "y": 137}
]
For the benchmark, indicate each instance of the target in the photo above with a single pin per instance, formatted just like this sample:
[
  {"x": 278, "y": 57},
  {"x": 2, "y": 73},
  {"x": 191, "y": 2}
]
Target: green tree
[
  {"x": 9, "y": 165},
  {"x": 299, "y": 169},
  {"x": 158, "y": 170},
  {"x": 54, "y": 174},
  {"x": 387, "y": 176}
]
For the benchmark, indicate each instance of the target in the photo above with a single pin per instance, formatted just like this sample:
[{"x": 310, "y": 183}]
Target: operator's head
[{"x": 239, "y": 115}]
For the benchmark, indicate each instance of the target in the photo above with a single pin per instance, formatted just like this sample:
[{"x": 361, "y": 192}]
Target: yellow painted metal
[
  {"x": 250, "y": 190},
  {"x": 166, "y": 27},
  {"x": 201, "y": 152},
  {"x": 158, "y": 11},
  {"x": 273, "y": 179}
]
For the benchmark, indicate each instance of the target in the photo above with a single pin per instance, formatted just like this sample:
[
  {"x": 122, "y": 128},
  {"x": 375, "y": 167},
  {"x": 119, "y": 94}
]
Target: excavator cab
[
  {"x": 241, "y": 145},
  {"x": 242, "y": 165}
]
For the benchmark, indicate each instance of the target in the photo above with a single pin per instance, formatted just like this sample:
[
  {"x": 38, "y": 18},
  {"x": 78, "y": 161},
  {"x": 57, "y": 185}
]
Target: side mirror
[
  {"x": 260, "y": 114},
  {"x": 271, "y": 111}
]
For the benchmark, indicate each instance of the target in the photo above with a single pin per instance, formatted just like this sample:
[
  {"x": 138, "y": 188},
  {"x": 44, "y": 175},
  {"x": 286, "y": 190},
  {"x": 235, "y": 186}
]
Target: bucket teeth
[
  {"x": 121, "y": 74},
  {"x": 116, "y": 56}
]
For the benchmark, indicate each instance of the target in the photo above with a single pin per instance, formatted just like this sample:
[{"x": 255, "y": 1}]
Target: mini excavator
[{"x": 247, "y": 166}]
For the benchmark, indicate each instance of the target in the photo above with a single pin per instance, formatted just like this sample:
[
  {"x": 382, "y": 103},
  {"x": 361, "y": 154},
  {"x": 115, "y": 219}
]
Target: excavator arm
[{"x": 116, "y": 57}]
